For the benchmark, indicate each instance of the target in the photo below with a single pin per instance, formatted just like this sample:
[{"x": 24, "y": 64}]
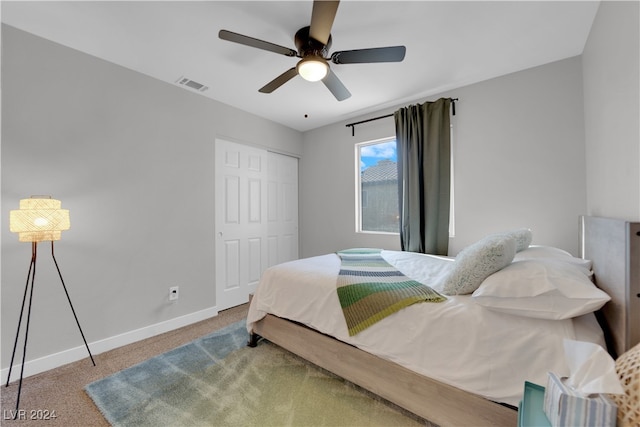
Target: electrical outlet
[{"x": 174, "y": 293}]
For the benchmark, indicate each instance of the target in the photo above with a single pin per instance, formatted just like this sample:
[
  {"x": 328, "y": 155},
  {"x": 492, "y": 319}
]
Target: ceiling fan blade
[
  {"x": 322, "y": 16},
  {"x": 376, "y": 54},
  {"x": 260, "y": 44},
  {"x": 333, "y": 83},
  {"x": 279, "y": 81}
]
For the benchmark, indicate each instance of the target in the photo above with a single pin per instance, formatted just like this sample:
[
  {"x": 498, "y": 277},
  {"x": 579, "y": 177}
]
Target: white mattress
[{"x": 456, "y": 342}]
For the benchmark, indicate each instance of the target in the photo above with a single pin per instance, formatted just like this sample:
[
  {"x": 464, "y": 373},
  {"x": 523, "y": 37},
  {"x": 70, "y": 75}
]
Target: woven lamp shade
[{"x": 39, "y": 218}]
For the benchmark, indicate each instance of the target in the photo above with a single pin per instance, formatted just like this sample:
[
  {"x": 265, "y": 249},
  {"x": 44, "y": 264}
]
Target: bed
[{"x": 472, "y": 376}]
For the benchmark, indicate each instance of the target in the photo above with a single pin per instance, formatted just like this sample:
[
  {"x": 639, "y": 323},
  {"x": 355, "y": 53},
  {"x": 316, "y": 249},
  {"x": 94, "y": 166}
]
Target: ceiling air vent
[{"x": 183, "y": 81}]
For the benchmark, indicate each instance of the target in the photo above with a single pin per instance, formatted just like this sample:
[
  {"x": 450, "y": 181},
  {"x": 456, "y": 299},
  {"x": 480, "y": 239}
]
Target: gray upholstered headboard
[{"x": 614, "y": 247}]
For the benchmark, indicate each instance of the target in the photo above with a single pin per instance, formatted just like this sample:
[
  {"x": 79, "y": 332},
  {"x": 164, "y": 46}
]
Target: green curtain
[{"x": 424, "y": 164}]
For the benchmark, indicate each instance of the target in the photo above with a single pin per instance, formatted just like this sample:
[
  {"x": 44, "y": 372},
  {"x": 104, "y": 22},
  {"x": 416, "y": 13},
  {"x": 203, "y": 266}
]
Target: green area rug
[{"x": 218, "y": 381}]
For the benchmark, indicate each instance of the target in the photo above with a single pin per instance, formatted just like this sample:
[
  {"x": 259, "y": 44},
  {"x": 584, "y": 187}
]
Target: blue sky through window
[{"x": 373, "y": 153}]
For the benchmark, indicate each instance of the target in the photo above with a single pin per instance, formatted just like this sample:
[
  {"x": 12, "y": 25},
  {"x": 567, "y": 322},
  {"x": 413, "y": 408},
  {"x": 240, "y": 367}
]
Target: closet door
[
  {"x": 241, "y": 221},
  {"x": 282, "y": 208}
]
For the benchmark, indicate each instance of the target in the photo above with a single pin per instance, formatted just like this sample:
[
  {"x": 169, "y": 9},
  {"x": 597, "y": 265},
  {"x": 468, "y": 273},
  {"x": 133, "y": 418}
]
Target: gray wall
[
  {"x": 611, "y": 61},
  {"x": 519, "y": 160},
  {"x": 132, "y": 158}
]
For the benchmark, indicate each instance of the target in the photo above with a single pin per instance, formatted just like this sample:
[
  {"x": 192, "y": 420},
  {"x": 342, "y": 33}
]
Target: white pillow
[
  {"x": 540, "y": 288},
  {"x": 522, "y": 236},
  {"x": 476, "y": 262},
  {"x": 549, "y": 252}
]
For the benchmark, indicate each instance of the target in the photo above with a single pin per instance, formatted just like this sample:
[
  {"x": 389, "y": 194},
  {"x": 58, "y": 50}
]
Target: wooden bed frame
[{"x": 612, "y": 245}]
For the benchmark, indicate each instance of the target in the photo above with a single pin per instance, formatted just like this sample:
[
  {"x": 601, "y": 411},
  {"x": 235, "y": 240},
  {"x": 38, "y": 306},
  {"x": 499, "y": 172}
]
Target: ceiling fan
[{"x": 313, "y": 43}]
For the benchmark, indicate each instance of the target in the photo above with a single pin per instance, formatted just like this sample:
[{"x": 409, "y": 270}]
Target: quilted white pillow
[
  {"x": 540, "y": 288},
  {"x": 476, "y": 262}
]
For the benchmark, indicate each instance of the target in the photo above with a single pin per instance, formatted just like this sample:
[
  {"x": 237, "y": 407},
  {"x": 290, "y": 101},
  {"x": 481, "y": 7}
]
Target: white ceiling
[{"x": 449, "y": 44}]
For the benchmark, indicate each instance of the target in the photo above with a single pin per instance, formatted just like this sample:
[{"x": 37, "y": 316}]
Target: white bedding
[{"x": 457, "y": 342}]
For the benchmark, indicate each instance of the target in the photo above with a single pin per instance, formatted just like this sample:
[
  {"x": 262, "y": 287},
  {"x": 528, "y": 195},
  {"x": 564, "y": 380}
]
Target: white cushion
[
  {"x": 522, "y": 236},
  {"x": 540, "y": 288},
  {"x": 549, "y": 252},
  {"x": 476, "y": 262}
]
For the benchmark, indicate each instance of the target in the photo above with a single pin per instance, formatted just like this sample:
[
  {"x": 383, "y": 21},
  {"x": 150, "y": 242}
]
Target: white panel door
[
  {"x": 282, "y": 210},
  {"x": 240, "y": 224}
]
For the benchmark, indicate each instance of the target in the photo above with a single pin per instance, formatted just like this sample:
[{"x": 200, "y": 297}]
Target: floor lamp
[{"x": 39, "y": 219}]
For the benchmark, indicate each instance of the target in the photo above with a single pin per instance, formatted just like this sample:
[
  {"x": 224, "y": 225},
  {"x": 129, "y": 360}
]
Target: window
[
  {"x": 377, "y": 187},
  {"x": 377, "y": 208}
]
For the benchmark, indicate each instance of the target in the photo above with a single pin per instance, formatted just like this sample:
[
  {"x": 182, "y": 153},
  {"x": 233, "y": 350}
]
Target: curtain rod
[{"x": 353, "y": 125}]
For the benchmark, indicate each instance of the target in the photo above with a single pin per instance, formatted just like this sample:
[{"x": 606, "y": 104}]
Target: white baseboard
[{"x": 52, "y": 361}]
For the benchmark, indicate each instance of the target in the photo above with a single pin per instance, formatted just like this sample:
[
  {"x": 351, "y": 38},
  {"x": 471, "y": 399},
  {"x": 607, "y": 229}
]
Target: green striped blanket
[{"x": 371, "y": 289}]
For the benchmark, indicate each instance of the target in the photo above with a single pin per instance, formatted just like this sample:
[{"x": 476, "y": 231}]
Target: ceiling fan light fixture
[{"x": 313, "y": 68}]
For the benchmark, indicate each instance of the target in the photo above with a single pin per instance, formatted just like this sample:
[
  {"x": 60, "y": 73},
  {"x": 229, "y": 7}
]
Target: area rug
[{"x": 218, "y": 381}]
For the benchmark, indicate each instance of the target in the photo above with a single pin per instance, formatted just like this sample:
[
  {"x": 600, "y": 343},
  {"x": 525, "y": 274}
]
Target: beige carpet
[{"x": 62, "y": 389}]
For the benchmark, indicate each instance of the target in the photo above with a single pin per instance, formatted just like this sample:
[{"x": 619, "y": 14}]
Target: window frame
[{"x": 358, "y": 187}]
